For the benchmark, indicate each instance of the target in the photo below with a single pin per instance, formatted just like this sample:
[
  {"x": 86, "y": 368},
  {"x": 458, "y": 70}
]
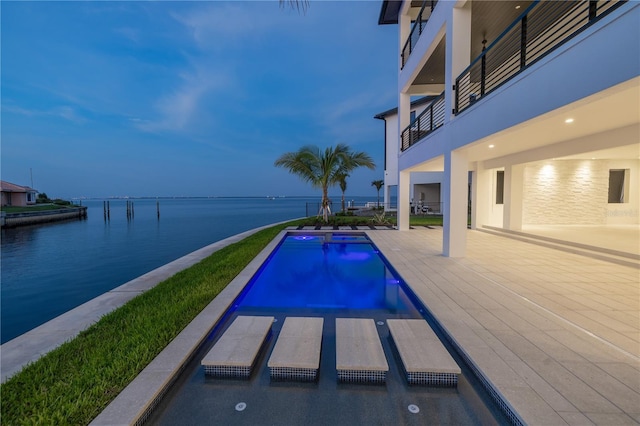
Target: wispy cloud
[
  {"x": 65, "y": 112},
  {"x": 223, "y": 23},
  {"x": 177, "y": 109}
]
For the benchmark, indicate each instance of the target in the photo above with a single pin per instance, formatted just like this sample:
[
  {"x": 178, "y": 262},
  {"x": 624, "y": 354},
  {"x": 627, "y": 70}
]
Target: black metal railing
[
  {"x": 416, "y": 30},
  {"x": 428, "y": 121},
  {"x": 541, "y": 28},
  {"x": 426, "y": 207}
]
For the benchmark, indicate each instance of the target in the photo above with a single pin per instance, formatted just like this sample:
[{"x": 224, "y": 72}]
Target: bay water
[{"x": 52, "y": 268}]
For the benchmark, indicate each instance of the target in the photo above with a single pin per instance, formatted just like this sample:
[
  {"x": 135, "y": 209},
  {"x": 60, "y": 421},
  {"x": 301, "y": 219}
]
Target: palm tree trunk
[{"x": 325, "y": 204}]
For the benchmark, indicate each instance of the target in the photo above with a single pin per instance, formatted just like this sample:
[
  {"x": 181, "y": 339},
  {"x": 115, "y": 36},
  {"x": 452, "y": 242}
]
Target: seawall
[{"x": 10, "y": 220}]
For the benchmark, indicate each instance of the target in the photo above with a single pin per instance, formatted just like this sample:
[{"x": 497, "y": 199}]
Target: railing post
[
  {"x": 483, "y": 73},
  {"x": 593, "y": 9},
  {"x": 431, "y": 117},
  {"x": 523, "y": 42},
  {"x": 456, "y": 89}
]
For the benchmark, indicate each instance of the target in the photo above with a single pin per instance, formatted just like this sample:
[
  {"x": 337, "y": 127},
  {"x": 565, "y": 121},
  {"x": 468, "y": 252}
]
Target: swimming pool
[
  {"x": 331, "y": 276},
  {"x": 326, "y": 271}
]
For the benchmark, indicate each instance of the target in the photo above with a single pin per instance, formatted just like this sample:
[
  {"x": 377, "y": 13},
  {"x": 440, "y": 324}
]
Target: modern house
[
  {"x": 16, "y": 195},
  {"x": 425, "y": 187},
  {"x": 535, "y": 118}
]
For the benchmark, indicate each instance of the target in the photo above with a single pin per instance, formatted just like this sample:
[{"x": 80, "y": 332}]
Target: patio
[{"x": 556, "y": 333}]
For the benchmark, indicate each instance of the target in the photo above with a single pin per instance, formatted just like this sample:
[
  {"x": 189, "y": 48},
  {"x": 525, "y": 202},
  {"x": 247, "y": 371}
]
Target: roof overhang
[{"x": 389, "y": 12}]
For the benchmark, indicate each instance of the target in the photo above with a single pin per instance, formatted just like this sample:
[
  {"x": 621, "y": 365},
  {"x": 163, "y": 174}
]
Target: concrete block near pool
[
  {"x": 359, "y": 354},
  {"x": 296, "y": 355},
  {"x": 236, "y": 352},
  {"x": 425, "y": 360}
]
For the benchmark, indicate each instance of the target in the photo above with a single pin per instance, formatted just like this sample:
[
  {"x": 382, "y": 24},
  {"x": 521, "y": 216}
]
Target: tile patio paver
[{"x": 556, "y": 333}]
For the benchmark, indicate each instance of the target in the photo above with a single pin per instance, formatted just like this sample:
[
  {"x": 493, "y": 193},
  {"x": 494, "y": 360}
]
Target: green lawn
[{"x": 426, "y": 220}]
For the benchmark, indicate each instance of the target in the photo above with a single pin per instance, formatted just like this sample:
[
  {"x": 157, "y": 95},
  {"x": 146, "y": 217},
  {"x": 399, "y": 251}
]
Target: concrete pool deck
[{"x": 557, "y": 334}]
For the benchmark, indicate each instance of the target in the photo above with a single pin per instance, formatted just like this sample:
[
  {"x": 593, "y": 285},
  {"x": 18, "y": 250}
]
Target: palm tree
[
  {"x": 322, "y": 169},
  {"x": 378, "y": 184},
  {"x": 342, "y": 181},
  {"x": 296, "y": 4}
]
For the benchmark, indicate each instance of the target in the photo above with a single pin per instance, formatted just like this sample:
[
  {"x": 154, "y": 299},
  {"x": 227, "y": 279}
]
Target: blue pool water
[{"x": 326, "y": 271}]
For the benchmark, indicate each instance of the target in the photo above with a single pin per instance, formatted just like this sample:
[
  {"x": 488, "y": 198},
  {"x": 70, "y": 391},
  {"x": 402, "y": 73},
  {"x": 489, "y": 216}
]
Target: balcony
[
  {"x": 417, "y": 28},
  {"x": 429, "y": 120},
  {"x": 541, "y": 28}
]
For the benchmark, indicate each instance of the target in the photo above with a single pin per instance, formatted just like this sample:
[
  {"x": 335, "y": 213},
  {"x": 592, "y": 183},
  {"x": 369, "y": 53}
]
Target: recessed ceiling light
[
  {"x": 518, "y": 7},
  {"x": 491, "y": 146},
  {"x": 569, "y": 120}
]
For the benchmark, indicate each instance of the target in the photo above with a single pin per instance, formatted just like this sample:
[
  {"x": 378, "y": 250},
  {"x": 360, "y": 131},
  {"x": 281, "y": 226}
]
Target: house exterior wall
[
  {"x": 592, "y": 66},
  {"x": 18, "y": 199},
  {"x": 575, "y": 192},
  {"x": 392, "y": 150}
]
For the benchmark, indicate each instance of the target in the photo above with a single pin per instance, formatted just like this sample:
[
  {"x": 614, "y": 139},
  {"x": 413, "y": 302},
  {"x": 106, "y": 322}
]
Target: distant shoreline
[{"x": 213, "y": 197}]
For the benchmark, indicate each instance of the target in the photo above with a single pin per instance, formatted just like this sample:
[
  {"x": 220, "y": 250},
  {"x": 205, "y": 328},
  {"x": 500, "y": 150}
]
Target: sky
[{"x": 105, "y": 98}]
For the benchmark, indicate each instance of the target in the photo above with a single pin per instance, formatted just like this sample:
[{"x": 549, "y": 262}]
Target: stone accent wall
[{"x": 566, "y": 192}]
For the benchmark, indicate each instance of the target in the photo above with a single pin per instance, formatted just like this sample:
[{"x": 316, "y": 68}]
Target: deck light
[{"x": 569, "y": 120}]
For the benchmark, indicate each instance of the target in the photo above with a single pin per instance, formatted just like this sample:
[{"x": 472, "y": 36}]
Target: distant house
[
  {"x": 16, "y": 195},
  {"x": 425, "y": 192}
]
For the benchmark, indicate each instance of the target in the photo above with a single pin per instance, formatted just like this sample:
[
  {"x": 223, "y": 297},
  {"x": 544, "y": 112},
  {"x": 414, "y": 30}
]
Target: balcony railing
[
  {"x": 416, "y": 30},
  {"x": 541, "y": 28},
  {"x": 428, "y": 121}
]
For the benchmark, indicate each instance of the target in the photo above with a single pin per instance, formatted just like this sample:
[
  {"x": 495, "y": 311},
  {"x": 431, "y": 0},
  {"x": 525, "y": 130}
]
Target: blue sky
[{"x": 189, "y": 98}]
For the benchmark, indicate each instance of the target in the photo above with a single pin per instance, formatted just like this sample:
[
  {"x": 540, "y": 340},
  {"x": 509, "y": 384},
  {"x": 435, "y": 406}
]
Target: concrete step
[
  {"x": 425, "y": 360},
  {"x": 359, "y": 354},
  {"x": 296, "y": 355},
  {"x": 236, "y": 352}
]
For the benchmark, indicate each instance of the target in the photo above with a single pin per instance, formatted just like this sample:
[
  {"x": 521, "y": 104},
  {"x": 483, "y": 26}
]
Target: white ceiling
[{"x": 614, "y": 108}]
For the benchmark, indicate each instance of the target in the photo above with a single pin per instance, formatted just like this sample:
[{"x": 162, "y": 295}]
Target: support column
[
  {"x": 456, "y": 189},
  {"x": 386, "y": 198},
  {"x": 513, "y": 184},
  {"x": 458, "y": 51},
  {"x": 481, "y": 200},
  {"x": 404, "y": 209}
]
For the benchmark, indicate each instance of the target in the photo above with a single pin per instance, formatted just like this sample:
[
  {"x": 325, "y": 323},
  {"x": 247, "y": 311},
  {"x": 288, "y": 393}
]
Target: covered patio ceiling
[{"x": 614, "y": 108}]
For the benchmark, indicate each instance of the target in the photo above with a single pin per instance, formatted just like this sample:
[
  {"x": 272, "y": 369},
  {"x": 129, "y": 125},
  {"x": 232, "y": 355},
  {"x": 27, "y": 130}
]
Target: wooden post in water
[
  {"x": 158, "y": 209},
  {"x": 132, "y": 210},
  {"x": 104, "y": 209},
  {"x": 108, "y": 211}
]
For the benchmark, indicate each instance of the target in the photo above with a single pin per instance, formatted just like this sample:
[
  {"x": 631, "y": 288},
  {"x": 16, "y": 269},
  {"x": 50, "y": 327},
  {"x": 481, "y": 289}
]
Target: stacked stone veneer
[{"x": 566, "y": 192}]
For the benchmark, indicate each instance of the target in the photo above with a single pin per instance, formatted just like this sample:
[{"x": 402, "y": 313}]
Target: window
[
  {"x": 412, "y": 117},
  {"x": 617, "y": 185},
  {"x": 500, "y": 187}
]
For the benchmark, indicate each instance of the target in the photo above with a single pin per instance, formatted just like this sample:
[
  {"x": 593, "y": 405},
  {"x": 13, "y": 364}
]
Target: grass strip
[{"x": 75, "y": 382}]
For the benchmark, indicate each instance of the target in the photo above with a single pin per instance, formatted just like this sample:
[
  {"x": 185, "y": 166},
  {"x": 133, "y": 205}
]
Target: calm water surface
[{"x": 50, "y": 269}]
